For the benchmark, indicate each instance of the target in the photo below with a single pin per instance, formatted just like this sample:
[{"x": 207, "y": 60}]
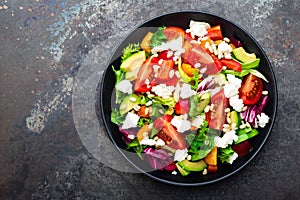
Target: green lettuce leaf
[
  {"x": 225, "y": 154},
  {"x": 129, "y": 50},
  {"x": 158, "y": 37}
]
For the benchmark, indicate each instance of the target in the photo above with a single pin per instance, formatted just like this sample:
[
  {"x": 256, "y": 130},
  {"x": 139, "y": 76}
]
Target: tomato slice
[
  {"x": 251, "y": 89},
  {"x": 172, "y": 32},
  {"x": 145, "y": 72},
  {"x": 182, "y": 106},
  {"x": 215, "y": 33},
  {"x": 196, "y": 54},
  {"x": 160, "y": 122},
  {"x": 163, "y": 74},
  {"x": 216, "y": 117},
  {"x": 164, "y": 124},
  {"x": 232, "y": 64}
]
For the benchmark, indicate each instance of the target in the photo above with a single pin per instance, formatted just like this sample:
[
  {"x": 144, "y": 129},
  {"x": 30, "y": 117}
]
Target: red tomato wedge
[
  {"x": 196, "y": 54},
  {"x": 251, "y": 89},
  {"x": 145, "y": 72},
  {"x": 216, "y": 117},
  {"x": 182, "y": 106},
  {"x": 164, "y": 123},
  {"x": 172, "y": 32},
  {"x": 215, "y": 33},
  {"x": 232, "y": 64},
  {"x": 163, "y": 74}
]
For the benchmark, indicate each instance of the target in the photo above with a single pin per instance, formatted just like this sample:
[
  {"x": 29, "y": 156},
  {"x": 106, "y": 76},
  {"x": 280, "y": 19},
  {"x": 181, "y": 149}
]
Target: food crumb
[{"x": 5, "y": 7}]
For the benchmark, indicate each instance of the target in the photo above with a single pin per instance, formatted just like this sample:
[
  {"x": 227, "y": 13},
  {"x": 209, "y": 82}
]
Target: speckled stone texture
[{"x": 44, "y": 43}]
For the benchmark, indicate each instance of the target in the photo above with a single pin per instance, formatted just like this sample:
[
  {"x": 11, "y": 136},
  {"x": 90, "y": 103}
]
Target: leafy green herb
[
  {"x": 190, "y": 137},
  {"x": 116, "y": 117},
  {"x": 120, "y": 75},
  {"x": 202, "y": 144},
  {"x": 129, "y": 50},
  {"x": 194, "y": 111},
  {"x": 195, "y": 80},
  {"x": 158, "y": 37},
  {"x": 225, "y": 154},
  {"x": 142, "y": 121},
  {"x": 135, "y": 145}
]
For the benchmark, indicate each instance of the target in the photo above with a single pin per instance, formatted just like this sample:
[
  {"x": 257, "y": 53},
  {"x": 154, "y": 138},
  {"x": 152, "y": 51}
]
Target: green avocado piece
[
  {"x": 181, "y": 170},
  {"x": 193, "y": 166},
  {"x": 134, "y": 61},
  {"x": 252, "y": 64},
  {"x": 204, "y": 101},
  {"x": 243, "y": 56},
  {"x": 235, "y": 118},
  {"x": 128, "y": 102}
]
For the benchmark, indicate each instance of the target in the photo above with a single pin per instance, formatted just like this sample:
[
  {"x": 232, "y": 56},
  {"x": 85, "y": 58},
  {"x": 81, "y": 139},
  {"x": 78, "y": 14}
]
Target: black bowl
[{"x": 182, "y": 19}]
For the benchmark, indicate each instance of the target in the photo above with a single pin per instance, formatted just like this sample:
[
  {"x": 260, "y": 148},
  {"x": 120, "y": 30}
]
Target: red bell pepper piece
[
  {"x": 215, "y": 33},
  {"x": 232, "y": 64}
]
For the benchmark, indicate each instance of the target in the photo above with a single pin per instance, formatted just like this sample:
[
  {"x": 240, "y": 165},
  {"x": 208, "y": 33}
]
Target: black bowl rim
[{"x": 260, "y": 146}]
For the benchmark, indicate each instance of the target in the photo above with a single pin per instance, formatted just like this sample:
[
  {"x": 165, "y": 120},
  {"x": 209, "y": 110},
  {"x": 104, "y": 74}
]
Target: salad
[{"x": 186, "y": 100}]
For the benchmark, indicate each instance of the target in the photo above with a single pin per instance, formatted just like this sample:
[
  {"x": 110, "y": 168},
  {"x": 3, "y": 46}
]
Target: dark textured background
[{"x": 43, "y": 45}]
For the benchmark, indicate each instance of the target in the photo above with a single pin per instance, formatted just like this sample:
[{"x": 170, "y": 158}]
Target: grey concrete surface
[{"x": 45, "y": 43}]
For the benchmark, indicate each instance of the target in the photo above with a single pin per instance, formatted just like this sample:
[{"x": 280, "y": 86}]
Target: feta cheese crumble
[
  {"x": 147, "y": 141},
  {"x": 236, "y": 103},
  {"x": 262, "y": 120},
  {"x": 173, "y": 45},
  {"x": 125, "y": 86},
  {"x": 186, "y": 91},
  {"x": 181, "y": 123},
  {"x": 197, "y": 28},
  {"x": 224, "y": 50},
  {"x": 180, "y": 154},
  {"x": 131, "y": 121},
  {"x": 231, "y": 91},
  {"x": 233, "y": 157},
  {"x": 198, "y": 121},
  {"x": 174, "y": 172},
  {"x": 233, "y": 86},
  {"x": 131, "y": 137},
  {"x": 162, "y": 90},
  {"x": 226, "y": 140}
]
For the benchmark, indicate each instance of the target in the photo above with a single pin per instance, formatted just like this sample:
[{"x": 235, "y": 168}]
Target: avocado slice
[
  {"x": 134, "y": 61},
  {"x": 235, "y": 118},
  {"x": 251, "y": 65},
  {"x": 204, "y": 101},
  {"x": 128, "y": 103},
  {"x": 243, "y": 56},
  {"x": 193, "y": 166},
  {"x": 181, "y": 170}
]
